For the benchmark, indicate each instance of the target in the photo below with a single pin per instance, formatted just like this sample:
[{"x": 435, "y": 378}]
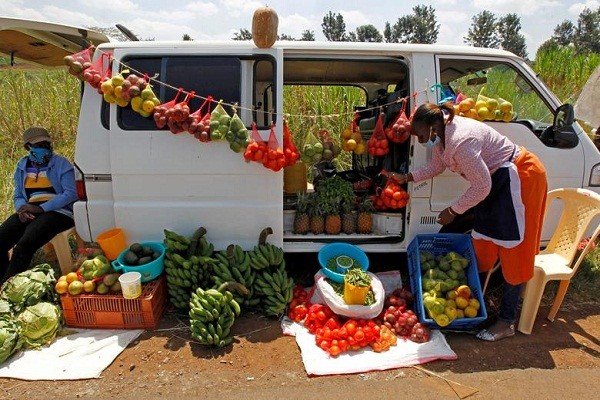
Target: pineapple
[
  {"x": 317, "y": 222},
  {"x": 365, "y": 217},
  {"x": 348, "y": 218},
  {"x": 333, "y": 224},
  {"x": 301, "y": 219}
]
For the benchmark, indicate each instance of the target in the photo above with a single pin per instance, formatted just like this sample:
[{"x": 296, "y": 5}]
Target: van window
[
  {"x": 496, "y": 79},
  {"x": 216, "y": 76}
]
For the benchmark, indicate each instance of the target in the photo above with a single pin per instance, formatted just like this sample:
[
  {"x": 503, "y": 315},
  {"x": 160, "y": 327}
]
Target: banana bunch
[
  {"x": 212, "y": 314},
  {"x": 264, "y": 254},
  {"x": 233, "y": 265},
  {"x": 188, "y": 265},
  {"x": 274, "y": 288}
]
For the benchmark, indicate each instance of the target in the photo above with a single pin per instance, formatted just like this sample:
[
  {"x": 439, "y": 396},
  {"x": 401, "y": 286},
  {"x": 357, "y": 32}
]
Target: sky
[{"x": 220, "y": 19}]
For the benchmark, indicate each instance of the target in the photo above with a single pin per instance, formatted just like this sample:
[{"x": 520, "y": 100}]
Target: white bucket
[{"x": 131, "y": 285}]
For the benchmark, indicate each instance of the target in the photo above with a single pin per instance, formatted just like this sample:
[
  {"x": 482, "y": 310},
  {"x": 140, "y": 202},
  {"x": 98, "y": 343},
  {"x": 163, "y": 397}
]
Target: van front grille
[{"x": 428, "y": 220}]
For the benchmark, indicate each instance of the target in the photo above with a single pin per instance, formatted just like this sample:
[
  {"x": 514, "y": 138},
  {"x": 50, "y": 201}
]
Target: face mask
[
  {"x": 40, "y": 155},
  {"x": 431, "y": 143}
]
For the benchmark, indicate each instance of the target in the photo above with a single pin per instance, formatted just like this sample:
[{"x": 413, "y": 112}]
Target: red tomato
[
  {"x": 350, "y": 327},
  {"x": 334, "y": 350}
]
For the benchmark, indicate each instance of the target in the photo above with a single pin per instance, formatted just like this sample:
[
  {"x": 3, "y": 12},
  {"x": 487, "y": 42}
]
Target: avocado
[
  {"x": 102, "y": 288},
  {"x": 144, "y": 260},
  {"x": 147, "y": 251},
  {"x": 130, "y": 258},
  {"x": 155, "y": 255},
  {"x": 135, "y": 247}
]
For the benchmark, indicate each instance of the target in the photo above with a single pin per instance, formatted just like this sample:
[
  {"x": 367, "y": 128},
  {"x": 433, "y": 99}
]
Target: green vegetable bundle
[
  {"x": 39, "y": 323},
  {"x": 10, "y": 337},
  {"x": 95, "y": 268},
  {"x": 29, "y": 287}
]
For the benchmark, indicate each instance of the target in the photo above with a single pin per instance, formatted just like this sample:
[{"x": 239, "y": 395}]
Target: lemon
[
  {"x": 71, "y": 276},
  {"x": 450, "y": 312},
  {"x": 475, "y": 304},
  {"x": 450, "y": 303},
  {"x": 460, "y": 313},
  {"x": 442, "y": 320},
  {"x": 351, "y": 144},
  {"x": 61, "y": 287},
  {"x": 461, "y": 303},
  {"x": 470, "y": 312}
]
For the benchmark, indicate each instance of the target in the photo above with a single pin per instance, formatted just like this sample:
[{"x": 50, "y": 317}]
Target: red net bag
[
  {"x": 79, "y": 62},
  {"x": 199, "y": 121},
  {"x": 399, "y": 131},
  {"x": 378, "y": 143},
  {"x": 274, "y": 159},
  {"x": 257, "y": 148},
  {"x": 97, "y": 71},
  {"x": 160, "y": 111},
  {"x": 393, "y": 195},
  {"x": 290, "y": 151}
]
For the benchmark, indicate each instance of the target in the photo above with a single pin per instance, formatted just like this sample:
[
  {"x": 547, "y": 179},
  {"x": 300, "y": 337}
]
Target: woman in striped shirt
[
  {"x": 507, "y": 195},
  {"x": 43, "y": 199}
]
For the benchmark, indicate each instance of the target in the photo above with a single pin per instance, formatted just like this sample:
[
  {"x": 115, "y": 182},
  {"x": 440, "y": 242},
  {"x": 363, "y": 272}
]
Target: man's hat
[{"x": 36, "y": 135}]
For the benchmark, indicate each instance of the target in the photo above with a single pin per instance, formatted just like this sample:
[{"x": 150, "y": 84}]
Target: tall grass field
[{"x": 51, "y": 98}]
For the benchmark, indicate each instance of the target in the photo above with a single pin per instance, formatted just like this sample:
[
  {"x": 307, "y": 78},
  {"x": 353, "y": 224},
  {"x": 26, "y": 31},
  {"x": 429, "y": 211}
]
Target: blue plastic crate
[{"x": 439, "y": 244}]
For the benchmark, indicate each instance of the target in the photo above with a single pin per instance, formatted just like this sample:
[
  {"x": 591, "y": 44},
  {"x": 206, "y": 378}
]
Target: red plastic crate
[{"x": 115, "y": 311}]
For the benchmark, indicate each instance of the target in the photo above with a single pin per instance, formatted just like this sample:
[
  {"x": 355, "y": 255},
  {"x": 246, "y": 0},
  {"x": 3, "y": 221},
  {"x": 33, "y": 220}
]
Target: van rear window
[{"x": 216, "y": 76}]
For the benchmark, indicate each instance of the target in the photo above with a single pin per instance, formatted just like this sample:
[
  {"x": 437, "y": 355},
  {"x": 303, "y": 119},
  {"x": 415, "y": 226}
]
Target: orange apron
[{"x": 517, "y": 262}]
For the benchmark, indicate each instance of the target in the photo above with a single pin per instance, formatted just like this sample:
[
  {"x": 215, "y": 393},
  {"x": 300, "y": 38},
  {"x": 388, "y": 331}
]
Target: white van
[{"x": 143, "y": 179}]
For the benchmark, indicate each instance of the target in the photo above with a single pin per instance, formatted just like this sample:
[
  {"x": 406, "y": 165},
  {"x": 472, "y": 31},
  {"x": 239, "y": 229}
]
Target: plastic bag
[
  {"x": 79, "y": 62},
  {"x": 97, "y": 71},
  {"x": 339, "y": 306},
  {"x": 352, "y": 139},
  {"x": 160, "y": 111},
  {"x": 219, "y": 122},
  {"x": 274, "y": 159},
  {"x": 237, "y": 134},
  {"x": 378, "y": 143},
  {"x": 178, "y": 114},
  {"x": 392, "y": 196},
  {"x": 257, "y": 148},
  {"x": 312, "y": 151},
  {"x": 400, "y": 130},
  {"x": 290, "y": 151},
  {"x": 199, "y": 121}
]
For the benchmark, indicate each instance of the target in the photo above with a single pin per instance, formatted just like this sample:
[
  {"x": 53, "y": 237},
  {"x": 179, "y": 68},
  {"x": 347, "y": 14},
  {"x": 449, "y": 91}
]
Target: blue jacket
[{"x": 62, "y": 176}]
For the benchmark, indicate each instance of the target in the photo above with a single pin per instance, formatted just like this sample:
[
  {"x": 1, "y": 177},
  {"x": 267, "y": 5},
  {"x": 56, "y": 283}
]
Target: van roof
[
  {"x": 43, "y": 43},
  {"x": 322, "y": 46}
]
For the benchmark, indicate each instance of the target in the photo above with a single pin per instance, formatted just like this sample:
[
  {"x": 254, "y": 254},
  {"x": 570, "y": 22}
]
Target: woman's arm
[{"x": 473, "y": 168}]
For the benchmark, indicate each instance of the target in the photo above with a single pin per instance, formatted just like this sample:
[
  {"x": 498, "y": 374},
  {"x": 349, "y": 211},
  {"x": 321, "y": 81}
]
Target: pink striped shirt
[{"x": 475, "y": 151}]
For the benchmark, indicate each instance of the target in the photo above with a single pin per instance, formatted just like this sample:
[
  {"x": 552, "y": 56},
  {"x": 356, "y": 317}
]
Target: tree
[
  {"x": 564, "y": 33},
  {"x": 243, "y": 34},
  {"x": 482, "y": 32},
  {"x": 511, "y": 39},
  {"x": 425, "y": 26},
  {"x": 283, "y": 36},
  {"x": 334, "y": 27},
  {"x": 587, "y": 33},
  {"x": 308, "y": 36},
  {"x": 186, "y": 37},
  {"x": 368, "y": 33},
  {"x": 420, "y": 27}
]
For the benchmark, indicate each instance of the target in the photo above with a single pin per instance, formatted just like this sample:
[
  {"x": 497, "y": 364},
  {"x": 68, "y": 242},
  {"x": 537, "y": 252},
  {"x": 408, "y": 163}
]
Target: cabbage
[
  {"x": 5, "y": 309},
  {"x": 29, "y": 287},
  {"x": 39, "y": 324},
  {"x": 10, "y": 340}
]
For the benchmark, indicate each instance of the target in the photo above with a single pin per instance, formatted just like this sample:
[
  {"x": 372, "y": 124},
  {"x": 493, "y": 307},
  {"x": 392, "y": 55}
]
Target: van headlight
[{"x": 595, "y": 176}]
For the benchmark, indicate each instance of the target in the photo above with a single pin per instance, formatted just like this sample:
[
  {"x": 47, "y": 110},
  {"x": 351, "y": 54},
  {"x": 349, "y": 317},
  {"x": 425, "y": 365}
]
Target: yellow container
[
  {"x": 355, "y": 294},
  {"x": 294, "y": 178},
  {"x": 112, "y": 243}
]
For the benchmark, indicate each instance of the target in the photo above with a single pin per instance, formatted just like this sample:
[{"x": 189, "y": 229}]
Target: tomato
[
  {"x": 332, "y": 323},
  {"x": 359, "y": 335},
  {"x": 350, "y": 327},
  {"x": 334, "y": 350},
  {"x": 325, "y": 345},
  {"x": 321, "y": 316}
]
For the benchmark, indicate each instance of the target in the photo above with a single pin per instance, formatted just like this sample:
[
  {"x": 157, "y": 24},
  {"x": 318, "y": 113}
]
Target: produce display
[
  {"x": 391, "y": 197},
  {"x": 29, "y": 287},
  {"x": 78, "y": 62},
  {"x": 139, "y": 255},
  {"x": 233, "y": 265},
  {"x": 188, "y": 265},
  {"x": 484, "y": 108},
  {"x": 114, "y": 91},
  {"x": 237, "y": 134},
  {"x": 212, "y": 314},
  {"x": 400, "y": 319},
  {"x": 219, "y": 122},
  {"x": 39, "y": 324},
  {"x": 352, "y": 140},
  {"x": 446, "y": 295}
]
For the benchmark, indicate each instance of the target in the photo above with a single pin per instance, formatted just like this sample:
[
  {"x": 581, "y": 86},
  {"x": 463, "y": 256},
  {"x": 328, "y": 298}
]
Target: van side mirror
[
  {"x": 564, "y": 116},
  {"x": 561, "y": 133}
]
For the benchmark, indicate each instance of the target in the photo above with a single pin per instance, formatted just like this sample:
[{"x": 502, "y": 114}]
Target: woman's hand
[
  {"x": 446, "y": 216},
  {"x": 400, "y": 178}
]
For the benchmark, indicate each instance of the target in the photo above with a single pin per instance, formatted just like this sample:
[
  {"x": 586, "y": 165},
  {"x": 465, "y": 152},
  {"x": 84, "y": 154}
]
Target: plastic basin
[
  {"x": 149, "y": 271},
  {"x": 334, "y": 250}
]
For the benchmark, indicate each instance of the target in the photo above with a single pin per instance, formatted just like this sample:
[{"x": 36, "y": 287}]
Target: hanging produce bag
[
  {"x": 79, "y": 62},
  {"x": 352, "y": 139},
  {"x": 219, "y": 122},
  {"x": 289, "y": 147},
  {"x": 274, "y": 159},
  {"x": 143, "y": 100},
  {"x": 400, "y": 130},
  {"x": 94, "y": 74},
  {"x": 178, "y": 114},
  {"x": 257, "y": 148},
  {"x": 113, "y": 90},
  {"x": 391, "y": 196},
  {"x": 312, "y": 151},
  {"x": 330, "y": 149},
  {"x": 378, "y": 143},
  {"x": 160, "y": 111},
  {"x": 200, "y": 121},
  {"x": 237, "y": 134}
]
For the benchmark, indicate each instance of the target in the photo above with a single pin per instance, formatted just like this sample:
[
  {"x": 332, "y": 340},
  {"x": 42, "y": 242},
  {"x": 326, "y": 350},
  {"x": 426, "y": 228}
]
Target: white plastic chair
[{"x": 558, "y": 260}]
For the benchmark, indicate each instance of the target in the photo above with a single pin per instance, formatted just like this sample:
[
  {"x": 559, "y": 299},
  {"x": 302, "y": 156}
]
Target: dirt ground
[{"x": 559, "y": 360}]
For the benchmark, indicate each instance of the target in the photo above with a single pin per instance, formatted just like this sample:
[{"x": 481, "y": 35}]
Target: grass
[{"x": 50, "y": 98}]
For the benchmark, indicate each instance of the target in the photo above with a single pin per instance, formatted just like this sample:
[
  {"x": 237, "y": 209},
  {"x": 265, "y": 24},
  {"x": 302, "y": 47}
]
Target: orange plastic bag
[
  {"x": 290, "y": 151},
  {"x": 400, "y": 130},
  {"x": 257, "y": 148},
  {"x": 392, "y": 196},
  {"x": 160, "y": 111},
  {"x": 274, "y": 158},
  {"x": 97, "y": 71},
  {"x": 378, "y": 142},
  {"x": 79, "y": 62}
]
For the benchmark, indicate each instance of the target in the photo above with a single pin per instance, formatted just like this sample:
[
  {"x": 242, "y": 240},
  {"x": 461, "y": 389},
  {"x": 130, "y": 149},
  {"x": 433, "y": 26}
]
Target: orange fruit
[
  {"x": 475, "y": 304},
  {"x": 351, "y": 144},
  {"x": 61, "y": 287},
  {"x": 71, "y": 277},
  {"x": 89, "y": 286},
  {"x": 464, "y": 291},
  {"x": 75, "y": 288},
  {"x": 461, "y": 302},
  {"x": 470, "y": 312}
]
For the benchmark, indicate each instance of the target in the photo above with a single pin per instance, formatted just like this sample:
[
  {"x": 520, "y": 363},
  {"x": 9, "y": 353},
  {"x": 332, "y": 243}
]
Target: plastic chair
[{"x": 560, "y": 259}]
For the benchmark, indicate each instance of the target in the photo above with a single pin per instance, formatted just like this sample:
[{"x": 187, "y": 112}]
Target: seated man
[{"x": 44, "y": 196}]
